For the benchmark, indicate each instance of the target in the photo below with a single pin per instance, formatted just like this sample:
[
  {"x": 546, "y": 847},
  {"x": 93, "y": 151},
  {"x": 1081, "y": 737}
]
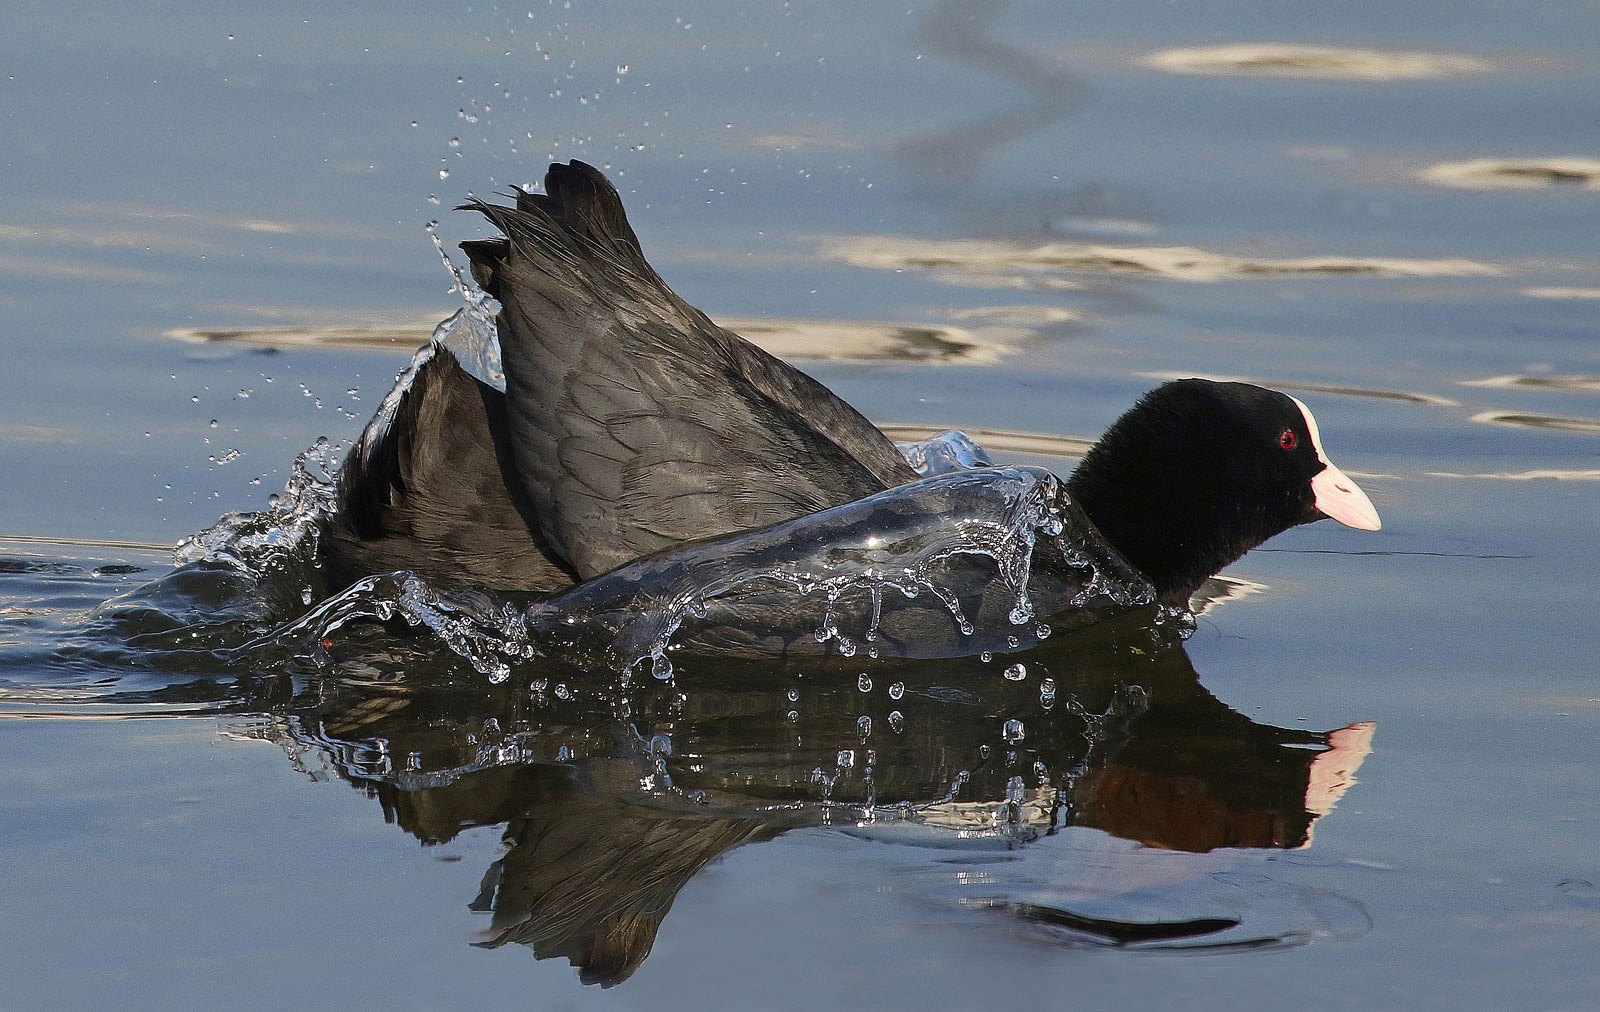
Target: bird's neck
[{"x": 1176, "y": 554}]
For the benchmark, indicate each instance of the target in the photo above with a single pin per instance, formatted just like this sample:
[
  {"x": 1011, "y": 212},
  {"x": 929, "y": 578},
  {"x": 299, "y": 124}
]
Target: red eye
[{"x": 1287, "y": 440}]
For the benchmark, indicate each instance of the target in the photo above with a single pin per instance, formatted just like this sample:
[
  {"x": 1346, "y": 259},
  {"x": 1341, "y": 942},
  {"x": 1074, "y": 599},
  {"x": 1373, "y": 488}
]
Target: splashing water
[
  {"x": 945, "y": 566},
  {"x": 944, "y": 453},
  {"x": 940, "y": 567},
  {"x": 473, "y": 625},
  {"x": 281, "y": 539}
]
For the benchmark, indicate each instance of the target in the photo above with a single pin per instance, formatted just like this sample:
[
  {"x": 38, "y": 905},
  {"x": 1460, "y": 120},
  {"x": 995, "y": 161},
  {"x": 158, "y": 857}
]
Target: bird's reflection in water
[{"x": 613, "y": 797}]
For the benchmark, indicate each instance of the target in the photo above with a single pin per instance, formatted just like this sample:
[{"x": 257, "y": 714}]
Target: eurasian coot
[{"x": 631, "y": 423}]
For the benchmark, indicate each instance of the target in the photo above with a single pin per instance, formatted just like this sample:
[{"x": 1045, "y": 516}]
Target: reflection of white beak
[
  {"x": 1343, "y": 500},
  {"x": 1333, "y": 771},
  {"x": 1337, "y": 496}
]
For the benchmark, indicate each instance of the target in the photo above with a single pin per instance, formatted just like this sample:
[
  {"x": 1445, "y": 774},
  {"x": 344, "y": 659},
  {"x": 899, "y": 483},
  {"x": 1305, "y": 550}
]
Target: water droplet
[
  {"x": 864, "y": 683},
  {"x": 562, "y": 692},
  {"x": 1047, "y": 691},
  {"x": 794, "y": 715},
  {"x": 1012, "y": 730},
  {"x": 1016, "y": 792},
  {"x": 897, "y": 722},
  {"x": 1040, "y": 771},
  {"x": 983, "y": 751},
  {"x": 444, "y": 173},
  {"x": 563, "y": 754},
  {"x": 846, "y": 758},
  {"x": 794, "y": 695},
  {"x": 660, "y": 667},
  {"x": 1017, "y": 672},
  {"x": 864, "y": 726},
  {"x": 986, "y": 657},
  {"x": 1042, "y": 631},
  {"x": 897, "y": 690},
  {"x": 455, "y": 142}
]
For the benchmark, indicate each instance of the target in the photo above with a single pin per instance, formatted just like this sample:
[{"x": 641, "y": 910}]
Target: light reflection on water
[
  {"x": 1001, "y": 264},
  {"x": 1277, "y": 59},
  {"x": 800, "y": 340}
]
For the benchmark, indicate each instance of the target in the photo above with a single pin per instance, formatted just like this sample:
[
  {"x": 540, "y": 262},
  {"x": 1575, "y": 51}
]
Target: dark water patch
[
  {"x": 1122, "y": 933},
  {"x": 8, "y": 566}
]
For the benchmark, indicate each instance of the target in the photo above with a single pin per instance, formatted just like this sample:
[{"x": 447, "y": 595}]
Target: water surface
[{"x": 1366, "y": 782}]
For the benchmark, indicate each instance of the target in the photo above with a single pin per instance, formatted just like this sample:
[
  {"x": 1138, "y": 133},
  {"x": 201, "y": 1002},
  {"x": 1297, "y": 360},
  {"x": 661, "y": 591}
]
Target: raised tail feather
[{"x": 578, "y": 220}]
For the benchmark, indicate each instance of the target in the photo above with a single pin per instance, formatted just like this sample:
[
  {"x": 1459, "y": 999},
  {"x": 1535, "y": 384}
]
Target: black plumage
[{"x": 631, "y": 423}]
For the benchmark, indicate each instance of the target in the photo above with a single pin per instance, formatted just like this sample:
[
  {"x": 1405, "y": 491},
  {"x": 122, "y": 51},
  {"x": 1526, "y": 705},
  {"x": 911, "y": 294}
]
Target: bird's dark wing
[
  {"x": 432, "y": 493},
  {"x": 635, "y": 422}
]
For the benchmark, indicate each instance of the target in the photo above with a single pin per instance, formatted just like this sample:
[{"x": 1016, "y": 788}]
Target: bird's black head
[{"x": 1198, "y": 473}]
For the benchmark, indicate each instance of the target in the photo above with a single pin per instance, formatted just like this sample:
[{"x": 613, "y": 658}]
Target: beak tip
[{"x": 1342, "y": 499}]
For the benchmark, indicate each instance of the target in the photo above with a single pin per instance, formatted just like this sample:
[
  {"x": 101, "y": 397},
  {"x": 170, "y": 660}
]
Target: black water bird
[{"x": 631, "y": 423}]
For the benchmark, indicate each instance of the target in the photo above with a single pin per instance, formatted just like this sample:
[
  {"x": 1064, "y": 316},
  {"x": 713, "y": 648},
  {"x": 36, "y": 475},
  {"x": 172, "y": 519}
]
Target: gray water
[{"x": 215, "y": 240}]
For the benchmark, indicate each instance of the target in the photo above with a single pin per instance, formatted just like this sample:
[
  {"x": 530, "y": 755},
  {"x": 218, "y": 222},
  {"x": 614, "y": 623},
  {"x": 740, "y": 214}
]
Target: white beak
[
  {"x": 1337, "y": 496},
  {"x": 1343, "y": 500}
]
